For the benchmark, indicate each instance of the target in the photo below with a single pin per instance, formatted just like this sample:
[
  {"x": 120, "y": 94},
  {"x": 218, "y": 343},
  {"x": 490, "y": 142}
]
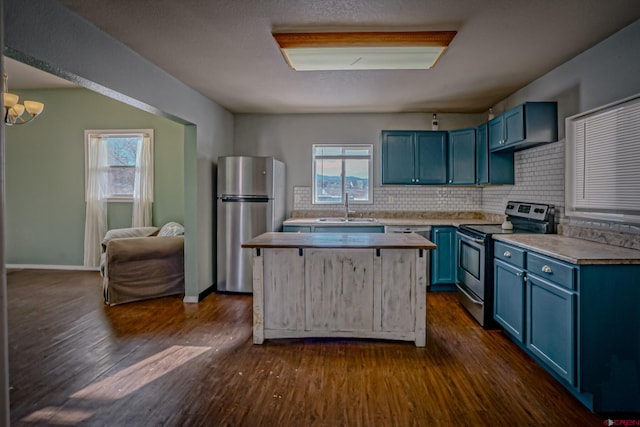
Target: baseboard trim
[
  {"x": 202, "y": 295},
  {"x": 51, "y": 267},
  {"x": 206, "y": 292}
]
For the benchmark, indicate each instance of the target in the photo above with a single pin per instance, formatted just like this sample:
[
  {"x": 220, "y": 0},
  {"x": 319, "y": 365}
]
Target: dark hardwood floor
[{"x": 75, "y": 361}]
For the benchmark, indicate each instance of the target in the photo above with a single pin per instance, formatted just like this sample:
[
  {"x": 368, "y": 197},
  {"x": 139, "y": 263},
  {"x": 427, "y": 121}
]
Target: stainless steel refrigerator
[{"x": 250, "y": 201}]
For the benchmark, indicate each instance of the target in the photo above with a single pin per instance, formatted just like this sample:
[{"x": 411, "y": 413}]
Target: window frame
[
  {"x": 580, "y": 206},
  {"x": 122, "y": 198},
  {"x": 344, "y": 158}
]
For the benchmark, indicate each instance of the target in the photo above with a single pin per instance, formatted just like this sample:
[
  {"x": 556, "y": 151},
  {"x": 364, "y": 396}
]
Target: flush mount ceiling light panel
[{"x": 416, "y": 50}]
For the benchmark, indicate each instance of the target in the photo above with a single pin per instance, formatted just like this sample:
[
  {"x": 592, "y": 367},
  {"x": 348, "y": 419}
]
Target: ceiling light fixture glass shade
[
  {"x": 13, "y": 112},
  {"x": 363, "y": 50}
]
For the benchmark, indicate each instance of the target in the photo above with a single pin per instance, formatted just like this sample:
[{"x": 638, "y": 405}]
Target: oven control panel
[{"x": 537, "y": 212}]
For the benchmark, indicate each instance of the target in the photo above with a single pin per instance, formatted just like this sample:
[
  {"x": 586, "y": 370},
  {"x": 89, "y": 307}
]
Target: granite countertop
[
  {"x": 397, "y": 222},
  {"x": 340, "y": 241},
  {"x": 571, "y": 249}
]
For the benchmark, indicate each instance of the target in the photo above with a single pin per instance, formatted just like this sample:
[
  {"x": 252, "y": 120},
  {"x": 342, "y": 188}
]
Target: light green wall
[{"x": 45, "y": 174}]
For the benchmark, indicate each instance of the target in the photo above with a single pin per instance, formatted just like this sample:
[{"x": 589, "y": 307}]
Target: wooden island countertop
[{"x": 340, "y": 241}]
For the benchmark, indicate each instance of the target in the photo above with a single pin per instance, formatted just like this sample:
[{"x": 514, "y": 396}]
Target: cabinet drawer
[
  {"x": 510, "y": 254},
  {"x": 550, "y": 269},
  {"x": 348, "y": 229},
  {"x": 296, "y": 229}
]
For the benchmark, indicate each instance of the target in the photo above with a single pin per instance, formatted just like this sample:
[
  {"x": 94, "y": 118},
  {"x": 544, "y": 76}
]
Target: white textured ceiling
[{"x": 224, "y": 49}]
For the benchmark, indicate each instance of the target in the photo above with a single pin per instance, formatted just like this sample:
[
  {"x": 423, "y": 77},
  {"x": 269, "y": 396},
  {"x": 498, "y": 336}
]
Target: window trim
[
  {"x": 115, "y": 132},
  {"x": 343, "y": 157}
]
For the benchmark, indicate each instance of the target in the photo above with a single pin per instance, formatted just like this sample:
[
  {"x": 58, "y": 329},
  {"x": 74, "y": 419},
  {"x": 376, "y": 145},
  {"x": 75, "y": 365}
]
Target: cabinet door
[
  {"x": 283, "y": 296},
  {"x": 396, "y": 293},
  {"x": 482, "y": 154},
  {"x": 514, "y": 125},
  {"x": 431, "y": 157},
  {"x": 443, "y": 258},
  {"x": 398, "y": 157},
  {"x": 462, "y": 157},
  {"x": 551, "y": 325},
  {"x": 337, "y": 284},
  {"x": 496, "y": 132},
  {"x": 509, "y": 298}
]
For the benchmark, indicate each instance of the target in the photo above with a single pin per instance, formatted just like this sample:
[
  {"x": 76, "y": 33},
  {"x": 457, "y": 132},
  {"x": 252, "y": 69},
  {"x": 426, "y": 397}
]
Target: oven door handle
[
  {"x": 467, "y": 237},
  {"x": 474, "y": 300}
]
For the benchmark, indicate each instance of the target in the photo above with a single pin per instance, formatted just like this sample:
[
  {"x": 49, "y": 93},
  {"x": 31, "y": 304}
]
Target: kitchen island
[{"x": 361, "y": 285}]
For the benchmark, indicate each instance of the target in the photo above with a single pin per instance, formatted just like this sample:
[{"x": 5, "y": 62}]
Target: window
[
  {"x": 603, "y": 154},
  {"x": 340, "y": 170},
  {"x": 119, "y": 170}
]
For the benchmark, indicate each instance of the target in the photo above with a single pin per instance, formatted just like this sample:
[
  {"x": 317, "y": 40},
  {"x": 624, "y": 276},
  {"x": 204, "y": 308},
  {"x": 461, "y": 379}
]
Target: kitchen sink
[{"x": 339, "y": 220}]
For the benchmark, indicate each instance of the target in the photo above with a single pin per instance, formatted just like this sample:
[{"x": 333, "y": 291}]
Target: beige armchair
[{"x": 142, "y": 263}]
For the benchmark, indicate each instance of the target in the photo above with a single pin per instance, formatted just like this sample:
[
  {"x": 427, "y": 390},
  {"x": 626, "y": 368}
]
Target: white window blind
[{"x": 603, "y": 159}]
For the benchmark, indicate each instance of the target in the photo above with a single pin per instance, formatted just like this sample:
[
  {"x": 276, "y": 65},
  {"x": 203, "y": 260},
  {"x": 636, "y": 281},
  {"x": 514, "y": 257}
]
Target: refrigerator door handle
[{"x": 255, "y": 199}]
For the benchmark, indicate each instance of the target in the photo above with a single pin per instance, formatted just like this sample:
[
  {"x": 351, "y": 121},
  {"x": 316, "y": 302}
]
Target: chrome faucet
[{"x": 346, "y": 207}]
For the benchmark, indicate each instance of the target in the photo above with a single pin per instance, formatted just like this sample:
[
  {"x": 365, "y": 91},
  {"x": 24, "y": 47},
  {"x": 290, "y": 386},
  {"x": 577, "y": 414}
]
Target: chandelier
[{"x": 14, "y": 112}]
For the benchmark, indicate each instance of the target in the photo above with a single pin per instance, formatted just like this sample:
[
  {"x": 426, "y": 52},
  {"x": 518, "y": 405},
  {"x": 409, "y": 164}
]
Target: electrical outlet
[{"x": 391, "y": 199}]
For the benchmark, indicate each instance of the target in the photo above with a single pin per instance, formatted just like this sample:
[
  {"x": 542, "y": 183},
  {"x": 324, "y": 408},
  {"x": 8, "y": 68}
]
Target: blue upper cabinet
[
  {"x": 398, "y": 157},
  {"x": 414, "y": 157},
  {"x": 524, "y": 126},
  {"x": 431, "y": 159},
  {"x": 474, "y": 156},
  {"x": 482, "y": 154},
  {"x": 492, "y": 167},
  {"x": 462, "y": 157}
]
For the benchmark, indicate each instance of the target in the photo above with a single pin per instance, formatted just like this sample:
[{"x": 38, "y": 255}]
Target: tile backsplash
[
  {"x": 404, "y": 198},
  {"x": 539, "y": 177}
]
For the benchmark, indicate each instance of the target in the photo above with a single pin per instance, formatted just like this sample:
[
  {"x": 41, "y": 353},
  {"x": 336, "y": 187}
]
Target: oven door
[{"x": 471, "y": 264}]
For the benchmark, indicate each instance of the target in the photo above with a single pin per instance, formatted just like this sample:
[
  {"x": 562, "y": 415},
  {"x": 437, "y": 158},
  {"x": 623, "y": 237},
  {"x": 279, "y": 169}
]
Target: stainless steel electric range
[{"x": 475, "y": 254}]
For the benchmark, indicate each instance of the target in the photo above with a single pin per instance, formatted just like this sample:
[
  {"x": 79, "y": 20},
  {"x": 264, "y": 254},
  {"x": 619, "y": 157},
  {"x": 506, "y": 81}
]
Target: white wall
[
  {"x": 47, "y": 35},
  {"x": 607, "y": 72},
  {"x": 289, "y": 138}
]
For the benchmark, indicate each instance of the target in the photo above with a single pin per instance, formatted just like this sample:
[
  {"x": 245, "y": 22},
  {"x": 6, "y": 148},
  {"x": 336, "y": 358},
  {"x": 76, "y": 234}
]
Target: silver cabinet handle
[
  {"x": 547, "y": 269},
  {"x": 507, "y": 254},
  {"x": 518, "y": 274}
]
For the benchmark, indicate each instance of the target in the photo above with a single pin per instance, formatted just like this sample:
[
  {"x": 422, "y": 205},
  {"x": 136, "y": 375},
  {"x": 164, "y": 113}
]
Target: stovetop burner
[
  {"x": 525, "y": 217},
  {"x": 487, "y": 229}
]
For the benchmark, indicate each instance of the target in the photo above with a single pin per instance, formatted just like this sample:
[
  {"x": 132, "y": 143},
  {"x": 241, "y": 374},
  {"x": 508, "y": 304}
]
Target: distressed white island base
[{"x": 340, "y": 285}]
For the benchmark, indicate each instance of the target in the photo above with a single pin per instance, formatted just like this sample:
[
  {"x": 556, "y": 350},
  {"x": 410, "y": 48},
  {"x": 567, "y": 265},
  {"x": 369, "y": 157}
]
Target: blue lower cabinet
[
  {"x": 508, "y": 295},
  {"x": 297, "y": 228},
  {"x": 551, "y": 326},
  {"x": 443, "y": 258},
  {"x": 580, "y": 322}
]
